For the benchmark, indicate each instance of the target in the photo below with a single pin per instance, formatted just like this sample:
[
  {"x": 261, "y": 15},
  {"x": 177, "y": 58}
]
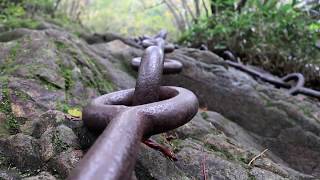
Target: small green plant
[
  {"x": 101, "y": 83},
  {"x": 22, "y": 95},
  {"x": 62, "y": 106},
  {"x": 11, "y": 123},
  {"x": 10, "y": 66},
  {"x": 204, "y": 115},
  {"x": 67, "y": 74},
  {"x": 222, "y": 152},
  {"x": 13, "y": 15},
  {"x": 60, "y": 45}
]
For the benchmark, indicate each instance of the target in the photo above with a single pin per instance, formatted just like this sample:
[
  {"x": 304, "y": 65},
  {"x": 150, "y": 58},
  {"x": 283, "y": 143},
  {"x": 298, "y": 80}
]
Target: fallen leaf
[{"x": 75, "y": 113}]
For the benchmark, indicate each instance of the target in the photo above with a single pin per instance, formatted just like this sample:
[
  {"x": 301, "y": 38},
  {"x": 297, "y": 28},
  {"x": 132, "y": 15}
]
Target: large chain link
[{"x": 134, "y": 114}]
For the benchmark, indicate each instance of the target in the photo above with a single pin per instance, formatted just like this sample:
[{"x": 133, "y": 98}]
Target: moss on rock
[{"x": 11, "y": 122}]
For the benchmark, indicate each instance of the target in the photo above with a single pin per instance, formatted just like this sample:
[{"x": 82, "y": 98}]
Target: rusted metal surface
[
  {"x": 297, "y": 88},
  {"x": 127, "y": 117},
  {"x": 149, "y": 76},
  {"x": 147, "y": 41},
  {"x": 170, "y": 66}
]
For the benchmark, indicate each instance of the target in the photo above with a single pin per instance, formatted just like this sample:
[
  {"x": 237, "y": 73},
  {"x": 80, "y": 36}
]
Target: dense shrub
[
  {"x": 29, "y": 14},
  {"x": 20, "y": 13},
  {"x": 278, "y": 37}
]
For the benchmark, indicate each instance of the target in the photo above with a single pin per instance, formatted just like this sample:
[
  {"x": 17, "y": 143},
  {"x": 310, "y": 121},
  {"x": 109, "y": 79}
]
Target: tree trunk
[
  {"x": 177, "y": 18},
  {"x": 206, "y": 8},
  {"x": 188, "y": 13},
  {"x": 240, "y": 5},
  {"x": 197, "y": 7},
  {"x": 213, "y": 7},
  {"x": 187, "y": 8},
  {"x": 55, "y": 8}
]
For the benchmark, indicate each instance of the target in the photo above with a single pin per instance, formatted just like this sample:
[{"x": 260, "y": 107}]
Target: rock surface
[{"x": 44, "y": 73}]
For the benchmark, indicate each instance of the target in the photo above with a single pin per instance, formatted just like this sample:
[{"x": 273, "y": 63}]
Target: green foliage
[
  {"x": 222, "y": 5},
  {"x": 62, "y": 106},
  {"x": 64, "y": 21},
  {"x": 204, "y": 115},
  {"x": 47, "y": 6},
  {"x": 11, "y": 123},
  {"x": 14, "y": 15},
  {"x": 67, "y": 74},
  {"x": 221, "y": 152},
  {"x": 60, "y": 45},
  {"x": 277, "y": 36},
  {"x": 13, "y": 23},
  {"x": 129, "y": 17},
  {"x": 9, "y": 66},
  {"x": 65, "y": 71},
  {"x": 12, "y": 9}
]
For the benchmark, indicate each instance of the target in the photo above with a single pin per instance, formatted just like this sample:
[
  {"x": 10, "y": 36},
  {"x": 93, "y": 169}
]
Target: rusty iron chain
[
  {"x": 298, "y": 78},
  {"x": 127, "y": 117}
]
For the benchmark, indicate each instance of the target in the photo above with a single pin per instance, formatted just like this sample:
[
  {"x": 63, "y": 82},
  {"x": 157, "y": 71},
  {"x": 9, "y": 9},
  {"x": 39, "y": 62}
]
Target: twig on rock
[
  {"x": 204, "y": 168},
  {"x": 257, "y": 156},
  {"x": 164, "y": 150}
]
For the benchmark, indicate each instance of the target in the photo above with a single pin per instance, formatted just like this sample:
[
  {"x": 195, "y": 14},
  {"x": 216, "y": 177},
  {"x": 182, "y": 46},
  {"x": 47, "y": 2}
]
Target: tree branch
[
  {"x": 154, "y": 6},
  {"x": 185, "y": 5},
  {"x": 206, "y": 8},
  {"x": 197, "y": 7},
  {"x": 177, "y": 16}
]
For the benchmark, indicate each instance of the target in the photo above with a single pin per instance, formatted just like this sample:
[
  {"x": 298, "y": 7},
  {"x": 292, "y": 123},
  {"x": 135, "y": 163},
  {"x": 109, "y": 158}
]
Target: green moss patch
[
  {"x": 67, "y": 75},
  {"x": 11, "y": 122},
  {"x": 62, "y": 106},
  {"x": 204, "y": 115},
  {"x": 221, "y": 152},
  {"x": 9, "y": 65},
  {"x": 226, "y": 154},
  {"x": 59, "y": 145}
]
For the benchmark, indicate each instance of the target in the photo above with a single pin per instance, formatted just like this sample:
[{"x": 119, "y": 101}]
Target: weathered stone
[
  {"x": 260, "y": 174},
  {"x": 47, "y": 120},
  {"x": 12, "y": 35},
  {"x": 3, "y": 129},
  {"x": 47, "y": 149},
  {"x": 197, "y": 128},
  {"x": 56, "y": 140},
  {"x": 119, "y": 54},
  {"x": 50, "y": 76},
  {"x": 152, "y": 165},
  {"x": 27, "y": 128},
  {"x": 9, "y": 175},
  {"x": 23, "y": 151},
  {"x": 194, "y": 156},
  {"x": 66, "y": 136},
  {"x": 65, "y": 162},
  {"x": 35, "y": 99},
  {"x": 41, "y": 176}
]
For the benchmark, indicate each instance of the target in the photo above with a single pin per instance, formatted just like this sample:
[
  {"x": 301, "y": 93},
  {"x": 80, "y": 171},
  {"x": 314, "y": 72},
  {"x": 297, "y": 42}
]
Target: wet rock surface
[{"x": 44, "y": 73}]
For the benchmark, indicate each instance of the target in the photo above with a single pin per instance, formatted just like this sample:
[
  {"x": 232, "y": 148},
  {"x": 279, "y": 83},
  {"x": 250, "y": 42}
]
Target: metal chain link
[
  {"x": 127, "y": 117},
  {"x": 297, "y": 88}
]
